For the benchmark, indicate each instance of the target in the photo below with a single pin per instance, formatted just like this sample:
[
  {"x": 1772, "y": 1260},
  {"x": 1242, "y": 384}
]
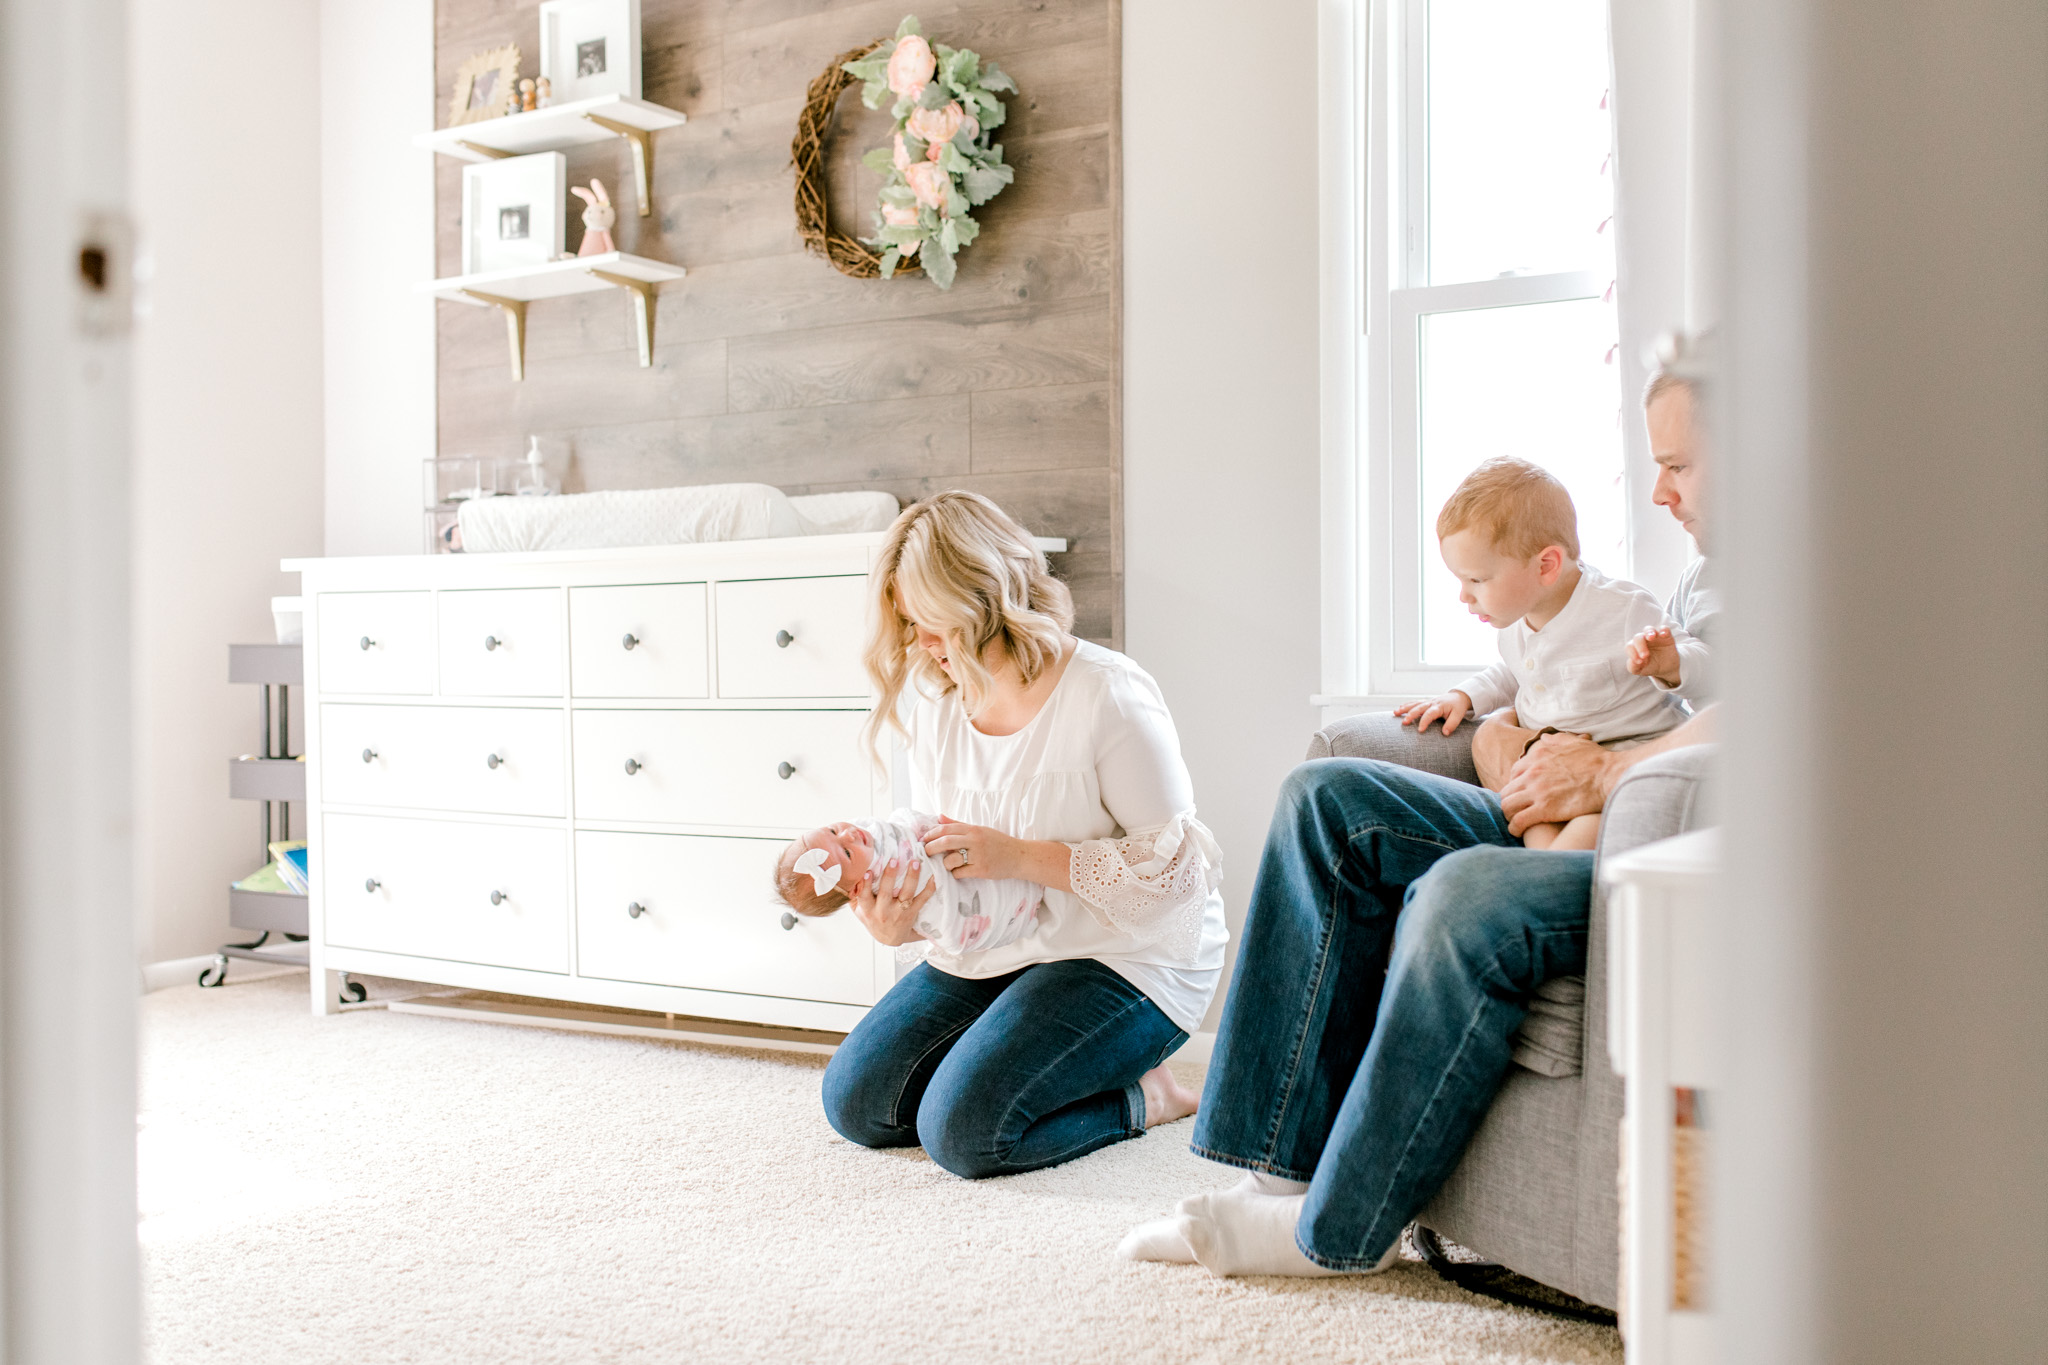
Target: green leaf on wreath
[
  {"x": 880, "y": 160},
  {"x": 993, "y": 78},
  {"x": 909, "y": 26},
  {"x": 949, "y": 236},
  {"x": 965, "y": 229},
  {"x": 889, "y": 260},
  {"x": 961, "y": 67},
  {"x": 951, "y": 162},
  {"x": 984, "y": 183},
  {"x": 939, "y": 267},
  {"x": 935, "y": 96}
]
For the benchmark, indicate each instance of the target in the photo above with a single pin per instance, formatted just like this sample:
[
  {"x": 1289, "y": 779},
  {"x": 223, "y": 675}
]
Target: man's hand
[
  {"x": 1451, "y": 708},
  {"x": 1654, "y": 654},
  {"x": 1562, "y": 776}
]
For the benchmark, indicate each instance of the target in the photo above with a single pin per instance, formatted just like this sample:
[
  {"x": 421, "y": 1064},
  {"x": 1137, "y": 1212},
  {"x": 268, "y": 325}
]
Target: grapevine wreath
[{"x": 939, "y": 163}]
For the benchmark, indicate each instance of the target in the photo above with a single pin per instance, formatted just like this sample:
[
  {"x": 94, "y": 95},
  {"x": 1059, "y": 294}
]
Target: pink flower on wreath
[
  {"x": 899, "y": 215},
  {"x": 936, "y": 127},
  {"x": 911, "y": 66},
  {"x": 928, "y": 182},
  {"x": 902, "y": 155}
]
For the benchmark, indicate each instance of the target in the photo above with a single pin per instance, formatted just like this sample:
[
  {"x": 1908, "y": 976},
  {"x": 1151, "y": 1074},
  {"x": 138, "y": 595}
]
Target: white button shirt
[{"x": 1573, "y": 674}]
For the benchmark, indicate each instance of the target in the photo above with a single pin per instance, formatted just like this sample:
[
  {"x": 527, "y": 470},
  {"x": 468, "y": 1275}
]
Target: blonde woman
[{"x": 1054, "y": 761}]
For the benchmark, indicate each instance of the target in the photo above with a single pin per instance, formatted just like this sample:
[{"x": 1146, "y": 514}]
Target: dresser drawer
[
  {"x": 792, "y": 637},
  {"x": 438, "y": 888},
  {"x": 722, "y": 767},
  {"x": 499, "y": 760},
  {"x": 377, "y": 642},
  {"x": 708, "y": 919},
  {"x": 501, "y": 642},
  {"x": 641, "y": 640}
]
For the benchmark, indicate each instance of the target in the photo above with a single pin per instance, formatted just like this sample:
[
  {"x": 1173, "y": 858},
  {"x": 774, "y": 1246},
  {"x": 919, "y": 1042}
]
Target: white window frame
[{"x": 1374, "y": 272}]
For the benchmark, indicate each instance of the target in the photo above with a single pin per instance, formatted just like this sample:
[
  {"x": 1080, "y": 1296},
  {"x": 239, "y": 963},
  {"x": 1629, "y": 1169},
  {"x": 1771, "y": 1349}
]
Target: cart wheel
[
  {"x": 218, "y": 971},
  {"x": 353, "y": 992}
]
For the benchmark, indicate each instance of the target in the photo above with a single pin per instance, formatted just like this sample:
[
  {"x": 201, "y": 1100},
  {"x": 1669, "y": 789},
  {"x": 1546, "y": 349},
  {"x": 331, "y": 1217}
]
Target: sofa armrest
[
  {"x": 1377, "y": 734},
  {"x": 1659, "y": 797}
]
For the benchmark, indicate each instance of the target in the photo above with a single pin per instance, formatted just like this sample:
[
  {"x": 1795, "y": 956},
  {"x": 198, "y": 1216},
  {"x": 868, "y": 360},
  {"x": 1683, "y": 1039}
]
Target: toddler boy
[{"x": 1579, "y": 651}]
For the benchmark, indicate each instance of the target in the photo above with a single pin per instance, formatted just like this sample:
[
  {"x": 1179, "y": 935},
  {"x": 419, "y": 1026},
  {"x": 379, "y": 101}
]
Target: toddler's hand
[
  {"x": 1451, "y": 708},
  {"x": 1654, "y": 654}
]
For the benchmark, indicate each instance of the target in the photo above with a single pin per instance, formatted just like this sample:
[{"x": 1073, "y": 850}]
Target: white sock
[
  {"x": 1253, "y": 1236},
  {"x": 1157, "y": 1240},
  {"x": 1161, "y": 1239}
]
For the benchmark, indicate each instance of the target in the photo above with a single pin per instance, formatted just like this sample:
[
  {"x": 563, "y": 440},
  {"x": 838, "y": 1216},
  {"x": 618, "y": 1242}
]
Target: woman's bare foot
[{"x": 1166, "y": 1099}]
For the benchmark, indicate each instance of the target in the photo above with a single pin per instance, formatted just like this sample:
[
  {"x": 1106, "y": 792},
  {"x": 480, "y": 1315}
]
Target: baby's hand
[
  {"x": 1452, "y": 708},
  {"x": 1654, "y": 654}
]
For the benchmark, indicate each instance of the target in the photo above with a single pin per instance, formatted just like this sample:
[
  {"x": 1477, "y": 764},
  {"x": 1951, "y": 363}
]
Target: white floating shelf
[
  {"x": 548, "y": 130},
  {"x": 570, "y": 275},
  {"x": 511, "y": 290},
  {"x": 562, "y": 125}
]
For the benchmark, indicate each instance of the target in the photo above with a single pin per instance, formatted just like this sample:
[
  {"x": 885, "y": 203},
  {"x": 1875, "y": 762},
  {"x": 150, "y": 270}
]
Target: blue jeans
[
  {"x": 1368, "y": 1086},
  {"x": 1005, "y": 1074}
]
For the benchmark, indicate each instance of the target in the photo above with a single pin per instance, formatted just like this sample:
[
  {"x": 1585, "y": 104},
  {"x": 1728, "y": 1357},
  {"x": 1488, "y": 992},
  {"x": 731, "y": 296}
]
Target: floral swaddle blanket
[{"x": 965, "y": 914}]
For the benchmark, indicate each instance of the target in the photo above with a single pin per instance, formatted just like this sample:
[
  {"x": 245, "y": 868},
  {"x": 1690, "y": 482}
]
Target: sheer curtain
[{"x": 1661, "y": 251}]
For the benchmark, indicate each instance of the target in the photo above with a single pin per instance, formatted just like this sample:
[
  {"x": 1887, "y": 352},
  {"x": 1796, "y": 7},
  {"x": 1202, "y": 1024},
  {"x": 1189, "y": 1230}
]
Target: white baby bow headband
[{"x": 823, "y": 878}]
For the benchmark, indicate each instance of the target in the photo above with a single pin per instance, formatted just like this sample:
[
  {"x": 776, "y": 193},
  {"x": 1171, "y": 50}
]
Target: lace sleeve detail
[{"x": 1153, "y": 885}]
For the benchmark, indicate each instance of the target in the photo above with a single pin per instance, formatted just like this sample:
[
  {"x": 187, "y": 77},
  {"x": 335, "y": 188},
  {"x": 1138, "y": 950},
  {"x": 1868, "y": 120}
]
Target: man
[{"x": 1348, "y": 1096}]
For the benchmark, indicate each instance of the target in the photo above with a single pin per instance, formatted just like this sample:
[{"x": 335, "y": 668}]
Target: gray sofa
[{"x": 1536, "y": 1188}]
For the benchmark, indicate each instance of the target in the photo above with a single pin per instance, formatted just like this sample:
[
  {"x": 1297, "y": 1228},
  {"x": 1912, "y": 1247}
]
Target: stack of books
[{"x": 283, "y": 875}]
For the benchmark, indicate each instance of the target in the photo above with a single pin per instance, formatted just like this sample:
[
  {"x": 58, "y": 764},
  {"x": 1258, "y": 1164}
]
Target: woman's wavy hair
[{"x": 964, "y": 569}]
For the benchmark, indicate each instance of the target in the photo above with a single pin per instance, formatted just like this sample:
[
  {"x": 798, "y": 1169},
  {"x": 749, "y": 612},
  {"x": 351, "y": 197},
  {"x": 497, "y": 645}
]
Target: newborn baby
[{"x": 965, "y": 914}]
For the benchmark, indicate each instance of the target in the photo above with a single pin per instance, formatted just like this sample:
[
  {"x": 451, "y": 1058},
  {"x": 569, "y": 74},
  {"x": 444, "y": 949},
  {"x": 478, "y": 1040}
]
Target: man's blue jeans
[
  {"x": 1004, "y": 1074},
  {"x": 1368, "y": 1086}
]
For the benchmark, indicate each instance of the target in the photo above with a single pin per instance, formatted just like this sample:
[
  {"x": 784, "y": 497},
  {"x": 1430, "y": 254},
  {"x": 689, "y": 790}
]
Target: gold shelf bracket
[
  {"x": 643, "y": 156},
  {"x": 515, "y": 327},
  {"x": 643, "y": 310},
  {"x": 491, "y": 153}
]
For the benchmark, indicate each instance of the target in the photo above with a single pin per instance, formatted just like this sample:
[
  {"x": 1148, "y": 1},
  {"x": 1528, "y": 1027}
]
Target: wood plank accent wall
[{"x": 772, "y": 367}]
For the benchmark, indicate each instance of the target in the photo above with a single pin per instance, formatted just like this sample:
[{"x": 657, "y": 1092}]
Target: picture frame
[
  {"x": 486, "y": 86},
  {"x": 513, "y": 212},
  {"x": 590, "y": 47}
]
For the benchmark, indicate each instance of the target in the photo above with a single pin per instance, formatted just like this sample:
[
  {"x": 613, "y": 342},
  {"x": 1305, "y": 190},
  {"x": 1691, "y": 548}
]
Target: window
[{"x": 1477, "y": 198}]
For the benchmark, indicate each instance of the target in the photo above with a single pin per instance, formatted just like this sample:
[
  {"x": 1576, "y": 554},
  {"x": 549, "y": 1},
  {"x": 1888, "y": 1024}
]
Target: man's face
[
  {"x": 1494, "y": 587},
  {"x": 1681, "y": 461}
]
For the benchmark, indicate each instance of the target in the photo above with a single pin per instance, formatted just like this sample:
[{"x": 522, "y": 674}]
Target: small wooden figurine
[
  {"x": 598, "y": 218},
  {"x": 526, "y": 95},
  {"x": 544, "y": 93}
]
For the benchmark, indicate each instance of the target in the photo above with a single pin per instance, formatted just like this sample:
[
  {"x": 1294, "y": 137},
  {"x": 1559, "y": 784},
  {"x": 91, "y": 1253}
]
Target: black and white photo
[{"x": 590, "y": 48}]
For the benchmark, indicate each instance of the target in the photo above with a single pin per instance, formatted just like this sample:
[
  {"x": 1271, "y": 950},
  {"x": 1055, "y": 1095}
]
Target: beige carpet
[{"x": 376, "y": 1187}]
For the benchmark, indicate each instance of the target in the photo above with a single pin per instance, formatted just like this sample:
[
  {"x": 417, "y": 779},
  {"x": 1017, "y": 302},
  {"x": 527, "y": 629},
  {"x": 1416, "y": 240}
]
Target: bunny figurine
[{"x": 597, "y": 219}]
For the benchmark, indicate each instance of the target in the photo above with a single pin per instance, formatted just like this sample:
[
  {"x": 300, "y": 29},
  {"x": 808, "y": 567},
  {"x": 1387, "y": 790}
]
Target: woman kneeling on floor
[{"x": 1054, "y": 761}]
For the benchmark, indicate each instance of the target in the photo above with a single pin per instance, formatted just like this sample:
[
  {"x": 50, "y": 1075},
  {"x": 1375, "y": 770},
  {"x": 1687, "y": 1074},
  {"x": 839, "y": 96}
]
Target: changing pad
[{"x": 665, "y": 516}]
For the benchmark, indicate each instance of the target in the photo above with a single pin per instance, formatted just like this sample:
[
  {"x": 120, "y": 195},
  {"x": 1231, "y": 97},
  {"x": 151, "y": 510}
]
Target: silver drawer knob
[
  {"x": 633, "y": 765},
  {"x": 788, "y": 920},
  {"x": 635, "y": 910},
  {"x": 784, "y": 771},
  {"x": 369, "y": 754},
  {"x": 370, "y": 885},
  {"x": 493, "y": 761},
  {"x": 783, "y": 639},
  {"x": 498, "y": 898},
  {"x": 492, "y": 642},
  {"x": 630, "y": 640},
  {"x": 366, "y": 642}
]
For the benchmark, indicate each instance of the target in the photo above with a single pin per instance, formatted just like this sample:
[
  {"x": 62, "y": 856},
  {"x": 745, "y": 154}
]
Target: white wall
[
  {"x": 377, "y": 219},
  {"x": 227, "y": 449},
  {"x": 1885, "y": 1125},
  {"x": 1221, "y": 455}
]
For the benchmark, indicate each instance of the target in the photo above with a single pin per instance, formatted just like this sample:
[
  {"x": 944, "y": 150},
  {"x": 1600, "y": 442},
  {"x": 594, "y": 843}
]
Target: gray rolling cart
[{"x": 277, "y": 779}]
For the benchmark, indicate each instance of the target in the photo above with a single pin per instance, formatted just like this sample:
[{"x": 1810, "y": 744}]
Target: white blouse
[{"x": 1098, "y": 768}]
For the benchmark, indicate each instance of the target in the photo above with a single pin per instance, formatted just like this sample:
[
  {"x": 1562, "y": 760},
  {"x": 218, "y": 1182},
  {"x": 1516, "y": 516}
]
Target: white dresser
[{"x": 567, "y": 775}]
